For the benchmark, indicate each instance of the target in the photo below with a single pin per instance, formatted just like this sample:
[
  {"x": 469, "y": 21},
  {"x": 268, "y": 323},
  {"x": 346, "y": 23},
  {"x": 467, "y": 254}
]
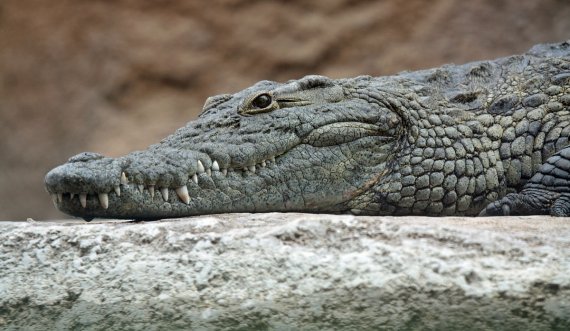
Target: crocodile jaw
[
  {"x": 210, "y": 189},
  {"x": 293, "y": 181}
]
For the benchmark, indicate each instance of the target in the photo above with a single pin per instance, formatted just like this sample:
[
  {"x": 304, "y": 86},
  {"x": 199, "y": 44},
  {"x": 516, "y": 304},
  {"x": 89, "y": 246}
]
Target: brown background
[{"x": 115, "y": 76}]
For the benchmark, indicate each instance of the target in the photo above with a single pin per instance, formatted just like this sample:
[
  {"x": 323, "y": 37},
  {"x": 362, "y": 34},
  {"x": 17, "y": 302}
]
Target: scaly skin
[{"x": 457, "y": 140}]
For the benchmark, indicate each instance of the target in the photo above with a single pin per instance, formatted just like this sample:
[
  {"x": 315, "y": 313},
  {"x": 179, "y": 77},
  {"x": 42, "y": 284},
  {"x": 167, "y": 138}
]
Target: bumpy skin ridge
[{"x": 487, "y": 137}]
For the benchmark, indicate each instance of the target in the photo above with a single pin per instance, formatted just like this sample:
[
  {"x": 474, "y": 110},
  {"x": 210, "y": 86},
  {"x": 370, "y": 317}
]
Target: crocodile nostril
[
  {"x": 79, "y": 176},
  {"x": 85, "y": 157}
]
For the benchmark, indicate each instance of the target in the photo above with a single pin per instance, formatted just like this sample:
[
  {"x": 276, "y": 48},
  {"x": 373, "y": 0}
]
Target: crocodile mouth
[
  {"x": 125, "y": 190},
  {"x": 153, "y": 190},
  {"x": 274, "y": 183}
]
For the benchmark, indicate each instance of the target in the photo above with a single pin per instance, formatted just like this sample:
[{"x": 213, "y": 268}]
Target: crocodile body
[{"x": 487, "y": 138}]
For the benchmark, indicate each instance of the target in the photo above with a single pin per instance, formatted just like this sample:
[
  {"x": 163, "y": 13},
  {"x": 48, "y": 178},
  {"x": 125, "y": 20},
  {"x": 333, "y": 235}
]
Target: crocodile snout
[{"x": 84, "y": 174}]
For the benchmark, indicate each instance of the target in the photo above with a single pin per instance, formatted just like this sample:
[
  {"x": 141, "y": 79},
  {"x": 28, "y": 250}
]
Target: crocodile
[{"x": 482, "y": 138}]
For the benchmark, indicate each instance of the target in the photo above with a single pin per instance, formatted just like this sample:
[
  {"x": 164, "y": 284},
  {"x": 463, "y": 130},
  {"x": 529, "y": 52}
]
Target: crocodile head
[{"x": 312, "y": 145}]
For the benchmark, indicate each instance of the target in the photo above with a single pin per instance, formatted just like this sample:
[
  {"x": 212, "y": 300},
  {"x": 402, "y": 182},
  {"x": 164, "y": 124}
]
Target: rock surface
[
  {"x": 116, "y": 76},
  {"x": 287, "y": 272}
]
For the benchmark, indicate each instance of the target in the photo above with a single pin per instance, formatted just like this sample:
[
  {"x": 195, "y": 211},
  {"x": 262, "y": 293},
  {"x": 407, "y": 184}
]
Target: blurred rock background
[{"x": 115, "y": 76}]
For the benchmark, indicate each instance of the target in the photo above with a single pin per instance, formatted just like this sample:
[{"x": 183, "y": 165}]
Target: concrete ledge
[{"x": 287, "y": 272}]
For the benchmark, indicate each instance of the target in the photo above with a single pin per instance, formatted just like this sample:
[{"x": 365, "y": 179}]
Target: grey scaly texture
[{"x": 487, "y": 138}]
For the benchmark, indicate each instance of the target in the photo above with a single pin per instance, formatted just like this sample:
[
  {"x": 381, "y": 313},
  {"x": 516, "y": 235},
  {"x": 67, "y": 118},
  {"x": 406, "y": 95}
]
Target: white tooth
[
  {"x": 83, "y": 199},
  {"x": 224, "y": 171},
  {"x": 195, "y": 178},
  {"x": 252, "y": 168},
  {"x": 60, "y": 197},
  {"x": 182, "y": 192},
  {"x": 104, "y": 200},
  {"x": 209, "y": 172},
  {"x": 151, "y": 190},
  {"x": 141, "y": 188},
  {"x": 215, "y": 166},
  {"x": 54, "y": 198},
  {"x": 263, "y": 164},
  {"x": 117, "y": 190},
  {"x": 201, "y": 167},
  {"x": 164, "y": 192},
  {"x": 273, "y": 159},
  {"x": 71, "y": 196},
  {"x": 124, "y": 179}
]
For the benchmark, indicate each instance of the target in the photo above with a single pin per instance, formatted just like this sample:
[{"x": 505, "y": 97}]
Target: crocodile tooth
[
  {"x": 164, "y": 192},
  {"x": 60, "y": 197},
  {"x": 195, "y": 178},
  {"x": 263, "y": 164},
  {"x": 117, "y": 190},
  {"x": 182, "y": 192},
  {"x": 71, "y": 196},
  {"x": 141, "y": 188},
  {"x": 273, "y": 159},
  {"x": 151, "y": 190},
  {"x": 124, "y": 179},
  {"x": 201, "y": 167},
  {"x": 83, "y": 199},
  {"x": 209, "y": 172},
  {"x": 252, "y": 168},
  {"x": 104, "y": 200},
  {"x": 215, "y": 166},
  {"x": 224, "y": 171}
]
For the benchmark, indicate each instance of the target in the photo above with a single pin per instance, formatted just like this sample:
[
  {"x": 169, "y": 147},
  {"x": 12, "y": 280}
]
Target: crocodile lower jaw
[{"x": 152, "y": 191}]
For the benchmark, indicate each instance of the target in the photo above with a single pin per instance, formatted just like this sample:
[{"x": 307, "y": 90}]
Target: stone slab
[{"x": 289, "y": 271}]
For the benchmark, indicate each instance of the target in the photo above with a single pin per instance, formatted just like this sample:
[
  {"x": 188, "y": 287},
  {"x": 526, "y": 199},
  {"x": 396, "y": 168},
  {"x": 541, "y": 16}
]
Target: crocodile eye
[{"x": 262, "y": 101}]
